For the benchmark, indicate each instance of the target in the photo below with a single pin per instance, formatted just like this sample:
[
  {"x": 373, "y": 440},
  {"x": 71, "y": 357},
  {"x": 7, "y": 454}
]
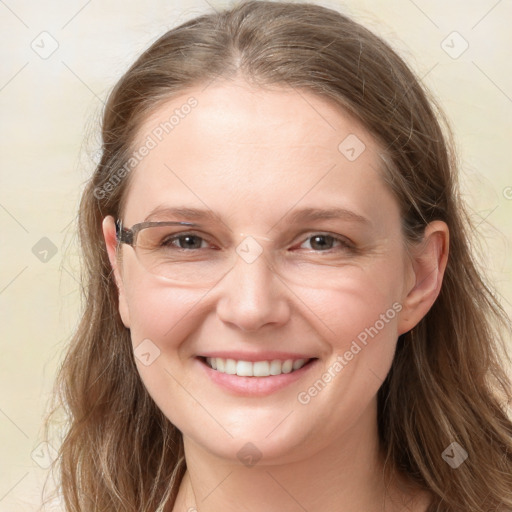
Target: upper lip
[{"x": 255, "y": 356}]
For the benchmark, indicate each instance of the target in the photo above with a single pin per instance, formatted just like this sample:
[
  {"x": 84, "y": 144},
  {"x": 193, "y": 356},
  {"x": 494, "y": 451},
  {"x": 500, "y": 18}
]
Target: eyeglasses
[
  {"x": 192, "y": 257},
  {"x": 165, "y": 250}
]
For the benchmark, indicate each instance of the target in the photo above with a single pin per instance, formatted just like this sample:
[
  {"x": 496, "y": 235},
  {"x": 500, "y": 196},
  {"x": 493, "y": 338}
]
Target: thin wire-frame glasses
[
  {"x": 158, "y": 248},
  {"x": 154, "y": 246}
]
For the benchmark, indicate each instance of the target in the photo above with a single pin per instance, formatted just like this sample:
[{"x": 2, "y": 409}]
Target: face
[{"x": 334, "y": 292}]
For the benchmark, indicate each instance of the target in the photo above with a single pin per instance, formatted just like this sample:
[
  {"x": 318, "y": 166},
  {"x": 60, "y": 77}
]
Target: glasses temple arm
[{"x": 123, "y": 235}]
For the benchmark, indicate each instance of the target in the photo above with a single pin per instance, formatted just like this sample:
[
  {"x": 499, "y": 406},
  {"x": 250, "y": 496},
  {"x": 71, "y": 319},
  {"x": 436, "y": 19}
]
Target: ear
[
  {"x": 109, "y": 234},
  {"x": 429, "y": 258}
]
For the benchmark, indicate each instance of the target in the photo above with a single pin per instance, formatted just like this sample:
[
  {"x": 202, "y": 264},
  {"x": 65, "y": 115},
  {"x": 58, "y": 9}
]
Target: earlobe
[
  {"x": 109, "y": 234},
  {"x": 429, "y": 260}
]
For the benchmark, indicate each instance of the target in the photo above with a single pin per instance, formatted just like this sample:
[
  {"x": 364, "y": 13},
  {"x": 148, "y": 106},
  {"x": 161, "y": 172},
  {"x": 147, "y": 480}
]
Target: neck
[{"x": 346, "y": 475}]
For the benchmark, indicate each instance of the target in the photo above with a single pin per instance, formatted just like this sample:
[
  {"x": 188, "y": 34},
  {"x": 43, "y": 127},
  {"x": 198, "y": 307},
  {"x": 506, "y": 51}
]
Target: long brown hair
[{"x": 447, "y": 383}]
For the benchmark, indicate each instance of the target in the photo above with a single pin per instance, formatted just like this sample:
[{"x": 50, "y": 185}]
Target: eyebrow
[
  {"x": 312, "y": 214},
  {"x": 183, "y": 212},
  {"x": 295, "y": 217}
]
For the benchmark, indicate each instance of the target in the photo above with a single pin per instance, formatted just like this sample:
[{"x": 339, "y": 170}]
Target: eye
[
  {"x": 184, "y": 241},
  {"x": 318, "y": 242},
  {"x": 321, "y": 242}
]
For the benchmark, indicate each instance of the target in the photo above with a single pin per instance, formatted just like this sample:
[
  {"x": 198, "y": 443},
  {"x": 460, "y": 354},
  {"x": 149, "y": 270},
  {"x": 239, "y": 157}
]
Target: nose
[{"x": 252, "y": 295}]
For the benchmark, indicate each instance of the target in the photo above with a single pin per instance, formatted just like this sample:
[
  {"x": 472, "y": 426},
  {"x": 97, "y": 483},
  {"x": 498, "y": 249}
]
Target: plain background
[{"x": 50, "y": 107}]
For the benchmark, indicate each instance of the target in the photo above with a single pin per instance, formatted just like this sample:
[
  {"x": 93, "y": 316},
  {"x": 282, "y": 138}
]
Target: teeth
[
  {"x": 299, "y": 363},
  {"x": 230, "y": 367},
  {"x": 261, "y": 369},
  {"x": 256, "y": 369}
]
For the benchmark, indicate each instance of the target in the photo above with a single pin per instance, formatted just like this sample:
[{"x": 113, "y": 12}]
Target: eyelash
[{"x": 343, "y": 244}]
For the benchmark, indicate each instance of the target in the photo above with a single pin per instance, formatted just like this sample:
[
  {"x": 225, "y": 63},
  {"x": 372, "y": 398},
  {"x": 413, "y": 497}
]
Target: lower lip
[{"x": 254, "y": 386}]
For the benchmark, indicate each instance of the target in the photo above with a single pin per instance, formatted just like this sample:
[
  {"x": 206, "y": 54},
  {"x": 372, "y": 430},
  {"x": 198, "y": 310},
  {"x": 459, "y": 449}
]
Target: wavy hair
[{"x": 447, "y": 382}]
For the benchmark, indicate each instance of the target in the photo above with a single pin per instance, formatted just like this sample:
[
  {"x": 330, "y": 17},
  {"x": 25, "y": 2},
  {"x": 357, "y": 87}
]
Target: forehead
[{"x": 251, "y": 153}]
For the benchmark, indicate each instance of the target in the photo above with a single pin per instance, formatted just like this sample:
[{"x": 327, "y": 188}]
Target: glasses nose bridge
[
  {"x": 251, "y": 246},
  {"x": 253, "y": 250},
  {"x": 264, "y": 238},
  {"x": 252, "y": 267}
]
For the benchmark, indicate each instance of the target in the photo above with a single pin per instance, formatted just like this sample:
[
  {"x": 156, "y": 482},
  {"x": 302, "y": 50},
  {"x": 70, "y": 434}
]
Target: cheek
[
  {"x": 363, "y": 300},
  {"x": 352, "y": 321},
  {"x": 363, "y": 305},
  {"x": 360, "y": 345},
  {"x": 162, "y": 318},
  {"x": 161, "y": 314},
  {"x": 359, "y": 325}
]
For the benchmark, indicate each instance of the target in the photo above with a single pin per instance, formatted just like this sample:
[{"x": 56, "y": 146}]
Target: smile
[
  {"x": 255, "y": 375},
  {"x": 255, "y": 368}
]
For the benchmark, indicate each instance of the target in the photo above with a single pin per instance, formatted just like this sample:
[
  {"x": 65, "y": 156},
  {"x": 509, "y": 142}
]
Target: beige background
[{"x": 49, "y": 105}]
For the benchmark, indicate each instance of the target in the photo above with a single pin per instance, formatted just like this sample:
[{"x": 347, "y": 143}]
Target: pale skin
[{"x": 252, "y": 156}]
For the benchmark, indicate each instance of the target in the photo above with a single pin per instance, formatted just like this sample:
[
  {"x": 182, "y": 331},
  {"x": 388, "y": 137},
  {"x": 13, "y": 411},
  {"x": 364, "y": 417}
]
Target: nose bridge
[
  {"x": 251, "y": 294},
  {"x": 253, "y": 262}
]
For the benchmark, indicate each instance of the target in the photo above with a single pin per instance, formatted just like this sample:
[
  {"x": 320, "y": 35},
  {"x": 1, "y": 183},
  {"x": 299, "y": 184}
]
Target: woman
[{"x": 282, "y": 310}]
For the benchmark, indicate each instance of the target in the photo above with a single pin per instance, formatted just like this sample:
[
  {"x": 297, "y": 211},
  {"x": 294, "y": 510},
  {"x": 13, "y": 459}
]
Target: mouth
[
  {"x": 255, "y": 375},
  {"x": 257, "y": 369}
]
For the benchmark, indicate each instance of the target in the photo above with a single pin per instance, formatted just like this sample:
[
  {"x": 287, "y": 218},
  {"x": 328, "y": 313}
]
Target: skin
[{"x": 253, "y": 156}]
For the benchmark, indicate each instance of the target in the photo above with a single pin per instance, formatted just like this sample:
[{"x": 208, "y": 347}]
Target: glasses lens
[
  {"x": 187, "y": 258},
  {"x": 180, "y": 256}
]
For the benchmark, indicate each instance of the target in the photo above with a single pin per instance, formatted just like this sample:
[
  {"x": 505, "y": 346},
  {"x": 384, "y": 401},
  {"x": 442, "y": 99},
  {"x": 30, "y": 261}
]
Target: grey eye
[{"x": 187, "y": 241}]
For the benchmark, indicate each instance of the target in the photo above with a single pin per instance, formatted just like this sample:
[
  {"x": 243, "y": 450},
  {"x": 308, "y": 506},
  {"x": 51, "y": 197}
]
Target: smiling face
[{"x": 334, "y": 291}]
